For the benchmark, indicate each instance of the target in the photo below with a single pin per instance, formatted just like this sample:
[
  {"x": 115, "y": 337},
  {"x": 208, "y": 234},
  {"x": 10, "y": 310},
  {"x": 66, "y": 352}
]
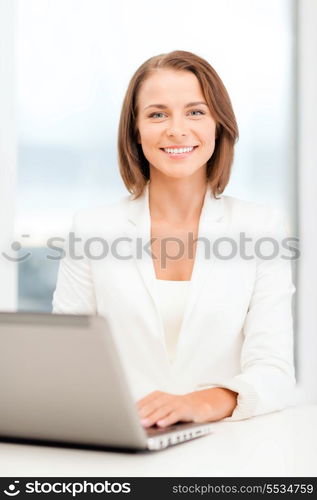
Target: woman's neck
[{"x": 176, "y": 202}]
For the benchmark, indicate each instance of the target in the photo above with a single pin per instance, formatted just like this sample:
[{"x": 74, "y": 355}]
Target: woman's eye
[
  {"x": 155, "y": 115},
  {"x": 197, "y": 111}
]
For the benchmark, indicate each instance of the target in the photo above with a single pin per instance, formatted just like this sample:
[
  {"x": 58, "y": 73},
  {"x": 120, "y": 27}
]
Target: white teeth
[{"x": 178, "y": 150}]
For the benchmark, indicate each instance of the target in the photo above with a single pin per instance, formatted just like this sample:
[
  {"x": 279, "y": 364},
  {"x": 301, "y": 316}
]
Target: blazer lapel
[
  {"x": 139, "y": 230},
  {"x": 139, "y": 227},
  {"x": 212, "y": 214}
]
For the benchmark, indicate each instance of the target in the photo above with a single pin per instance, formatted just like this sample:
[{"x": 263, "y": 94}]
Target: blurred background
[{"x": 64, "y": 69}]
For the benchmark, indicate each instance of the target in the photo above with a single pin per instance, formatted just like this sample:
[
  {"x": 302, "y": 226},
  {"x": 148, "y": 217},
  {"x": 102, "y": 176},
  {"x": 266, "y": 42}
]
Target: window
[{"x": 74, "y": 61}]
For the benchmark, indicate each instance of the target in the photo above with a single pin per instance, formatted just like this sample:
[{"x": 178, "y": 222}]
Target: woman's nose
[
  {"x": 176, "y": 129},
  {"x": 175, "y": 133},
  {"x": 177, "y": 126}
]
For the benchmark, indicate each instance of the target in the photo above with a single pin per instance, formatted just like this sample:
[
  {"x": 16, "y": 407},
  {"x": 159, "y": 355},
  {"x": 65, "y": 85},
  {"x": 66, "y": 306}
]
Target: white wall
[
  {"x": 307, "y": 180},
  {"x": 8, "y": 271}
]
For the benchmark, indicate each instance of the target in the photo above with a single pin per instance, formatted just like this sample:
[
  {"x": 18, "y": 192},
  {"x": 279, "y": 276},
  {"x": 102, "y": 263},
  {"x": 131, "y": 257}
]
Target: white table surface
[{"x": 278, "y": 444}]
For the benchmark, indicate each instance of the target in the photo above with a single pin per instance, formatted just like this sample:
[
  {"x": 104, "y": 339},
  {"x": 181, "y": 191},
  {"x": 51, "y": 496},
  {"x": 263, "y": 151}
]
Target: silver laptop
[{"x": 61, "y": 380}]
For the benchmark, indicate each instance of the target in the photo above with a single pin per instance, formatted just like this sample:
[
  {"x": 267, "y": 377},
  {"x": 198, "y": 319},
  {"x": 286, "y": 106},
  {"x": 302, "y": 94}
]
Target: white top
[{"x": 172, "y": 297}]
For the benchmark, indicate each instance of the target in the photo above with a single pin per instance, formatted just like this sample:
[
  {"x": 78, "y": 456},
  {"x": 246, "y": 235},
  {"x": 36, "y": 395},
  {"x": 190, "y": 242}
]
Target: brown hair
[{"x": 134, "y": 167}]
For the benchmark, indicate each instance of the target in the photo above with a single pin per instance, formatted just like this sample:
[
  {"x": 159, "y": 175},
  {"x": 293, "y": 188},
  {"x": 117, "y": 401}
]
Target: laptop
[{"x": 62, "y": 380}]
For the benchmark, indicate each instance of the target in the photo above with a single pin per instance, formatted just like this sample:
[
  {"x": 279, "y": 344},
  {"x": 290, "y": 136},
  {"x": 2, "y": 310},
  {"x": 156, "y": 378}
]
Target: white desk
[{"x": 278, "y": 444}]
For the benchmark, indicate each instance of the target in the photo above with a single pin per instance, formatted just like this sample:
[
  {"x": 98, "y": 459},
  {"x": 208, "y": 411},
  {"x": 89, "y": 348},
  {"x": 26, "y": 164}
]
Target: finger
[
  {"x": 151, "y": 407},
  {"x": 169, "y": 419},
  {"x": 159, "y": 413},
  {"x": 153, "y": 404},
  {"x": 147, "y": 399}
]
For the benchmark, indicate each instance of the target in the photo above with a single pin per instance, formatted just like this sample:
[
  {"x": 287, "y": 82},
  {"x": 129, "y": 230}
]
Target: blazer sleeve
[
  {"x": 74, "y": 293},
  {"x": 267, "y": 377}
]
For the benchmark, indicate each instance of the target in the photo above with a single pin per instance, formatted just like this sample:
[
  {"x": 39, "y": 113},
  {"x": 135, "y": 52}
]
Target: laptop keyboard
[{"x": 155, "y": 430}]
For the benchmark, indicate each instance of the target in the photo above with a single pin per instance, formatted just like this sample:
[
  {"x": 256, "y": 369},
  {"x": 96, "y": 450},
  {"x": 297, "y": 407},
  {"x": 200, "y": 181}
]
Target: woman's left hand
[{"x": 165, "y": 409}]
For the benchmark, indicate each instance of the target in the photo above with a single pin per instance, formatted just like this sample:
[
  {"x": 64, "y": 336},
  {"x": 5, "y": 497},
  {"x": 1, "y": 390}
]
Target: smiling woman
[
  {"x": 216, "y": 341},
  {"x": 174, "y": 94}
]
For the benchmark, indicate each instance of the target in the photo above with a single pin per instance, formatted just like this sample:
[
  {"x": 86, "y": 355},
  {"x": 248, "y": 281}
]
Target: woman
[{"x": 202, "y": 337}]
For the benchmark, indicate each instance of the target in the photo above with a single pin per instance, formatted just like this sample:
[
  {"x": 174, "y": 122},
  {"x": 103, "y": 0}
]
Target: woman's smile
[{"x": 177, "y": 153}]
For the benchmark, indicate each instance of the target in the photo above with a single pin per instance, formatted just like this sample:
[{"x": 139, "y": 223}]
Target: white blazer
[{"x": 237, "y": 330}]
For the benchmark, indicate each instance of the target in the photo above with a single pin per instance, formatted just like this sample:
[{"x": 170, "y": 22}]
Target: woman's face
[{"x": 168, "y": 118}]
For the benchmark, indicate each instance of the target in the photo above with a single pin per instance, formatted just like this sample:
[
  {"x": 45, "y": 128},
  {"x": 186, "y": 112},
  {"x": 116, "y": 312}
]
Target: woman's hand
[{"x": 165, "y": 409}]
